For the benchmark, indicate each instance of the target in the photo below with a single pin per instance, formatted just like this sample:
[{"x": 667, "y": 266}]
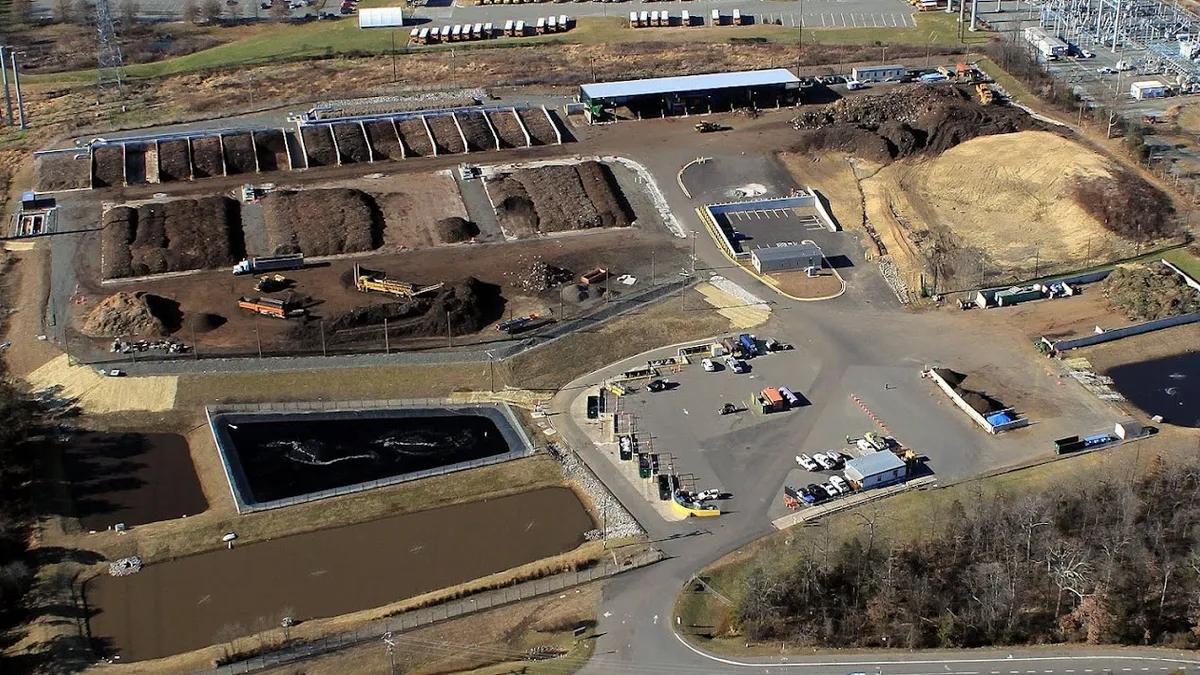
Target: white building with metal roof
[
  {"x": 695, "y": 93},
  {"x": 876, "y": 469}
]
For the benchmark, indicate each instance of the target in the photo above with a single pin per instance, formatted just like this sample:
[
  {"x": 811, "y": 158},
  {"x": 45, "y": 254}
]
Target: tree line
[{"x": 1110, "y": 560}]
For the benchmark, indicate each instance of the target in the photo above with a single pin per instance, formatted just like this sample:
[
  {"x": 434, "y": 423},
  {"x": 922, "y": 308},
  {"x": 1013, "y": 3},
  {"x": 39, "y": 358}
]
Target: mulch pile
[
  {"x": 182, "y": 234},
  {"x": 471, "y": 305},
  {"x": 979, "y": 402},
  {"x": 539, "y": 276},
  {"x": 318, "y": 143},
  {"x": 454, "y": 230},
  {"x": 908, "y": 120},
  {"x": 206, "y": 157},
  {"x": 108, "y": 162},
  {"x": 173, "y": 164},
  {"x": 445, "y": 133},
  {"x": 272, "y": 150},
  {"x": 351, "y": 144},
  {"x": 567, "y": 197},
  {"x": 62, "y": 171},
  {"x": 132, "y": 315},
  {"x": 476, "y": 129},
  {"x": 322, "y": 222},
  {"x": 239, "y": 154},
  {"x": 514, "y": 208},
  {"x": 384, "y": 142},
  {"x": 507, "y": 128},
  {"x": 416, "y": 139},
  {"x": 540, "y": 131}
]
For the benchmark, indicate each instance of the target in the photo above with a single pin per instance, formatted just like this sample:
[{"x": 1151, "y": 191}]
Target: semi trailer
[{"x": 269, "y": 263}]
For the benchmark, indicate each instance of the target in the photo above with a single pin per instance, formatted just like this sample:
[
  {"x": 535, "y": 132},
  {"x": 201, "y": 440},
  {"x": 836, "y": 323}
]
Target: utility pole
[
  {"x": 323, "y": 352},
  {"x": 394, "y": 56},
  {"x": 12, "y": 57},
  {"x": 693, "y": 253},
  {"x": 449, "y": 336},
  {"x": 7, "y": 95},
  {"x": 257, "y": 337},
  {"x": 386, "y": 347},
  {"x": 491, "y": 372}
]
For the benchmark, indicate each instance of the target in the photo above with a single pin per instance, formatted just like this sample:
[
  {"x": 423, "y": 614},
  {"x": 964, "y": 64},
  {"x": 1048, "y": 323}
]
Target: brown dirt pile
[
  {"x": 239, "y": 153},
  {"x": 469, "y": 304},
  {"x": 908, "y": 120},
  {"x": 62, "y": 171},
  {"x": 415, "y": 137},
  {"x": 979, "y": 401},
  {"x": 322, "y": 222},
  {"x": 318, "y": 143},
  {"x": 131, "y": 315},
  {"x": 206, "y": 157},
  {"x": 272, "y": 150},
  {"x": 351, "y": 144},
  {"x": 108, "y": 166},
  {"x": 565, "y": 197},
  {"x": 507, "y": 128},
  {"x": 454, "y": 230},
  {"x": 540, "y": 131},
  {"x": 384, "y": 142},
  {"x": 539, "y": 276},
  {"x": 476, "y": 129},
  {"x": 445, "y": 133},
  {"x": 1145, "y": 293},
  {"x": 173, "y": 164},
  {"x": 183, "y": 234}
]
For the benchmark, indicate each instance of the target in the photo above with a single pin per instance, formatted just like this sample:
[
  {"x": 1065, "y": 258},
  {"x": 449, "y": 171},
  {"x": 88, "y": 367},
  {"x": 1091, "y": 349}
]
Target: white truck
[{"x": 269, "y": 263}]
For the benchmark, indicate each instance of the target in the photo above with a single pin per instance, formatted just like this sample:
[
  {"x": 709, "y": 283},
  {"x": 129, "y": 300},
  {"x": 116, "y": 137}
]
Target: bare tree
[
  {"x": 280, "y": 11},
  {"x": 1069, "y": 569},
  {"x": 129, "y": 12},
  {"x": 64, "y": 10},
  {"x": 211, "y": 10},
  {"x": 191, "y": 11},
  {"x": 21, "y": 11}
]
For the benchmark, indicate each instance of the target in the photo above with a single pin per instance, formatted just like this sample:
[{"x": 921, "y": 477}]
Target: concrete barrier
[
  {"x": 1118, "y": 333},
  {"x": 979, "y": 419}
]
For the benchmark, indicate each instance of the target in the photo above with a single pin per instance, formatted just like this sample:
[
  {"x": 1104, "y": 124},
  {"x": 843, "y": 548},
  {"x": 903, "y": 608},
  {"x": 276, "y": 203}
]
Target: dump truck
[
  {"x": 368, "y": 281},
  {"x": 269, "y": 307},
  {"x": 594, "y": 276},
  {"x": 269, "y": 263}
]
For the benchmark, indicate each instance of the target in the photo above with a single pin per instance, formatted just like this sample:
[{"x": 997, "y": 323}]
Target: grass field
[
  {"x": 1184, "y": 260},
  {"x": 276, "y": 42}
]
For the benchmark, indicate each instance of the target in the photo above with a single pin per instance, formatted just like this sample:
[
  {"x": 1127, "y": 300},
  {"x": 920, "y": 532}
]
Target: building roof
[
  {"x": 786, "y": 252},
  {"x": 671, "y": 85},
  {"x": 1148, "y": 84},
  {"x": 875, "y": 463},
  {"x": 893, "y": 66}
]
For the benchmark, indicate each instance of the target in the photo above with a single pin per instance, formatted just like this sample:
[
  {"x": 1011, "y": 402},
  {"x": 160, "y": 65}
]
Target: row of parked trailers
[
  {"x": 486, "y": 31},
  {"x": 663, "y": 19}
]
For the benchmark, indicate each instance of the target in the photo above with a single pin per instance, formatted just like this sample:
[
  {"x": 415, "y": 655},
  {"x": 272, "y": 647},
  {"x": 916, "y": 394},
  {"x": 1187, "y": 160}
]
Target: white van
[
  {"x": 716, "y": 17},
  {"x": 685, "y": 19},
  {"x": 853, "y": 85}
]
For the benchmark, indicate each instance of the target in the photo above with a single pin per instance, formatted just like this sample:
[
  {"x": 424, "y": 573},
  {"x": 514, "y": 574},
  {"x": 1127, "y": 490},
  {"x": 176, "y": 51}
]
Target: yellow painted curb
[{"x": 699, "y": 513}]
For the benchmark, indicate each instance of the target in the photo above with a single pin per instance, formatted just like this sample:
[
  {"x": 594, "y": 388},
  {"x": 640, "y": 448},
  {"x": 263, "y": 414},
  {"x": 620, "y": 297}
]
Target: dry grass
[
  {"x": 800, "y": 285},
  {"x": 677, "y": 319},
  {"x": 740, "y": 314},
  {"x": 481, "y": 641},
  {"x": 96, "y": 393}
]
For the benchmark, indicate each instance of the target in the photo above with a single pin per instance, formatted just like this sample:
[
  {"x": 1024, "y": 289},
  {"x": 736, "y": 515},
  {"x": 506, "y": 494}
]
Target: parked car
[
  {"x": 736, "y": 365},
  {"x": 817, "y": 493},
  {"x": 841, "y": 485},
  {"x": 708, "y": 365},
  {"x": 806, "y": 495},
  {"x": 657, "y": 385},
  {"x": 1105, "y": 70},
  {"x": 834, "y": 457},
  {"x": 829, "y": 490},
  {"x": 706, "y": 495},
  {"x": 824, "y": 461},
  {"x": 807, "y": 462}
]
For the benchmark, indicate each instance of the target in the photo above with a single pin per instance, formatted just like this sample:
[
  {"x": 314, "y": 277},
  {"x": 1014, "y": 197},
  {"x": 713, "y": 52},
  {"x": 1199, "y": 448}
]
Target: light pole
[
  {"x": 491, "y": 372},
  {"x": 693, "y": 253},
  {"x": 393, "y": 56}
]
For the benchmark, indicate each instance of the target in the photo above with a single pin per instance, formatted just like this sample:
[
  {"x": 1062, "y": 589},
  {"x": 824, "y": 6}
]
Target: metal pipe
[
  {"x": 7, "y": 95},
  {"x": 974, "y": 7},
  {"x": 12, "y": 57}
]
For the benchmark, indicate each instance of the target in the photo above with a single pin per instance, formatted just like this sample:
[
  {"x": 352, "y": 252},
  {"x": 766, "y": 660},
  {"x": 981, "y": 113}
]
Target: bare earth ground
[
  {"x": 492, "y": 637},
  {"x": 833, "y": 176},
  {"x": 973, "y": 209},
  {"x": 411, "y": 204},
  {"x": 800, "y": 285}
]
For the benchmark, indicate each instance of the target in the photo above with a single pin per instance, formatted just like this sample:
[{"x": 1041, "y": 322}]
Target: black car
[
  {"x": 657, "y": 385},
  {"x": 817, "y": 493}
]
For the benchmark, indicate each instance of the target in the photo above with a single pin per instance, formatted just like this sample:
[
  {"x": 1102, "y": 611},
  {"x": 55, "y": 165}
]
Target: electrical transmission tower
[{"x": 111, "y": 64}]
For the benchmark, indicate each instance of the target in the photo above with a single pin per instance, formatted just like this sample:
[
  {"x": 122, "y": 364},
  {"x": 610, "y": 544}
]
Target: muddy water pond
[
  {"x": 185, "y": 604},
  {"x": 1168, "y": 386}
]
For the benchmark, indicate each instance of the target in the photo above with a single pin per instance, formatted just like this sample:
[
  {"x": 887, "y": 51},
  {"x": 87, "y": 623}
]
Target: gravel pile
[
  {"x": 887, "y": 269},
  {"x": 621, "y": 524},
  {"x": 125, "y": 566}
]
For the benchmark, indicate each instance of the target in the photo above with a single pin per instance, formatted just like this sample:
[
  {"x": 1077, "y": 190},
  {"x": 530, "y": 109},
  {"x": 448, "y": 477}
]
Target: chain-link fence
[{"x": 615, "y": 564}]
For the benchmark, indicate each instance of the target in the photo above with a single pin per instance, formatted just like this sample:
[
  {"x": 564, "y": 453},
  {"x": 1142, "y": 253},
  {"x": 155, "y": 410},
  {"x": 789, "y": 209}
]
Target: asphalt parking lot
[{"x": 684, "y": 425}]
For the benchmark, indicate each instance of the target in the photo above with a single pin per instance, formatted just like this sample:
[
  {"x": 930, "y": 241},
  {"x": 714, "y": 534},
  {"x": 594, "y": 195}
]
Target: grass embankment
[
  {"x": 707, "y": 618},
  {"x": 1186, "y": 260},
  {"x": 283, "y": 42}
]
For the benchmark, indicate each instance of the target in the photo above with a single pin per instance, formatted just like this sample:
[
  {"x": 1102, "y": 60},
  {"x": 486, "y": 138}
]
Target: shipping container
[
  {"x": 716, "y": 17},
  {"x": 685, "y": 19},
  {"x": 773, "y": 400},
  {"x": 737, "y": 17}
]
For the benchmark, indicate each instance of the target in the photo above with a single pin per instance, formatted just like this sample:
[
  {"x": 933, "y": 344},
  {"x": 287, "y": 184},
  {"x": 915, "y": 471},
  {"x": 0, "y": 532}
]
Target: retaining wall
[
  {"x": 1118, "y": 333},
  {"x": 979, "y": 419}
]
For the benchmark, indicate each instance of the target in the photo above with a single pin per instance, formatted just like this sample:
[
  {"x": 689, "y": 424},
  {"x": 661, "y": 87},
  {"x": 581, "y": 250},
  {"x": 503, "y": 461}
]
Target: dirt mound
[
  {"x": 173, "y": 162},
  {"x": 108, "y": 166},
  {"x": 204, "y": 322},
  {"x": 541, "y": 276},
  {"x": 174, "y": 236},
  {"x": 318, "y": 144},
  {"x": 272, "y": 150},
  {"x": 979, "y": 401},
  {"x": 559, "y": 198},
  {"x": 909, "y": 120},
  {"x": 239, "y": 153},
  {"x": 469, "y": 305},
  {"x": 62, "y": 171},
  {"x": 351, "y": 144},
  {"x": 207, "y": 161},
  {"x": 322, "y": 222},
  {"x": 476, "y": 129},
  {"x": 130, "y": 315},
  {"x": 1145, "y": 293},
  {"x": 454, "y": 229}
]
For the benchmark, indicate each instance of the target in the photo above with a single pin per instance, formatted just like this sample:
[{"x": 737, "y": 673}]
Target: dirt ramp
[
  {"x": 132, "y": 315},
  {"x": 174, "y": 236},
  {"x": 322, "y": 222}
]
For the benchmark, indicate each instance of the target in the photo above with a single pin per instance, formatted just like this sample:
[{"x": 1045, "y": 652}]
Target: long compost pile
[
  {"x": 173, "y": 236},
  {"x": 322, "y": 222},
  {"x": 558, "y": 198},
  {"x": 908, "y": 120}
]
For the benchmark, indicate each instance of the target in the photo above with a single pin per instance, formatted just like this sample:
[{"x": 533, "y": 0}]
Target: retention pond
[
  {"x": 1168, "y": 386},
  {"x": 186, "y": 604}
]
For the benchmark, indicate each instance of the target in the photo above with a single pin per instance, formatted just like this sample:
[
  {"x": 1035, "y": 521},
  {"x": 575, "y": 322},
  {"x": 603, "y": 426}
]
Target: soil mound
[
  {"x": 204, "y": 322},
  {"x": 322, "y": 222},
  {"x": 560, "y": 198},
  {"x": 979, "y": 401},
  {"x": 908, "y": 120},
  {"x": 541, "y": 276},
  {"x": 454, "y": 229},
  {"x": 1125, "y": 203},
  {"x": 468, "y": 305},
  {"x": 132, "y": 315},
  {"x": 1145, "y": 293},
  {"x": 182, "y": 234}
]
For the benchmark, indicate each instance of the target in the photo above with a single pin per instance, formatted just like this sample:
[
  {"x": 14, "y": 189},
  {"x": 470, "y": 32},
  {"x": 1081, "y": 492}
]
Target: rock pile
[
  {"x": 620, "y": 523},
  {"x": 541, "y": 276},
  {"x": 125, "y": 566}
]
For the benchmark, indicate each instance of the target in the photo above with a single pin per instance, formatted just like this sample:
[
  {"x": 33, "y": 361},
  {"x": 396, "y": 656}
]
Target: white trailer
[
  {"x": 664, "y": 18},
  {"x": 737, "y": 17},
  {"x": 563, "y": 21},
  {"x": 487, "y": 30},
  {"x": 633, "y": 19},
  {"x": 445, "y": 34},
  {"x": 520, "y": 29},
  {"x": 716, "y": 17},
  {"x": 551, "y": 24},
  {"x": 644, "y": 19},
  {"x": 685, "y": 19},
  {"x": 510, "y": 28}
]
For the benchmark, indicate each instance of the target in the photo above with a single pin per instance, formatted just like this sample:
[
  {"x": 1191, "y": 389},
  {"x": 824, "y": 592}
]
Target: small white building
[
  {"x": 879, "y": 73},
  {"x": 876, "y": 469},
  {"x": 1052, "y": 46},
  {"x": 786, "y": 258},
  {"x": 1147, "y": 89}
]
